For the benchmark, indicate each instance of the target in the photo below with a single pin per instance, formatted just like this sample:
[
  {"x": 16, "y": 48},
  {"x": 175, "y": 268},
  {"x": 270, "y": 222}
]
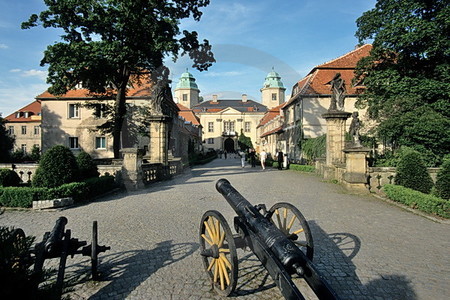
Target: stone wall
[
  {"x": 27, "y": 171},
  {"x": 378, "y": 176}
]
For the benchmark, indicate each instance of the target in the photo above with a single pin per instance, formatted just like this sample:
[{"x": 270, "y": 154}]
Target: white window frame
[
  {"x": 11, "y": 130},
  {"x": 73, "y": 142},
  {"x": 99, "y": 145},
  {"x": 24, "y": 148},
  {"x": 23, "y": 129},
  {"x": 210, "y": 140},
  {"x": 73, "y": 111},
  {"x": 184, "y": 97},
  {"x": 274, "y": 96},
  {"x": 247, "y": 126},
  {"x": 37, "y": 130},
  {"x": 210, "y": 126}
]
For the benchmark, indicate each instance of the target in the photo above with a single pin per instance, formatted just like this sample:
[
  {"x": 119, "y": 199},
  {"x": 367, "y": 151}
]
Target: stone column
[
  {"x": 132, "y": 168},
  {"x": 159, "y": 140},
  {"x": 356, "y": 174},
  {"x": 335, "y": 136}
]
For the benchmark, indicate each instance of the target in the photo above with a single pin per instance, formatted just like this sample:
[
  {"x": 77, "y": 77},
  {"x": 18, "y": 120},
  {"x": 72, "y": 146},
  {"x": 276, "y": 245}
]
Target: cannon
[
  {"x": 58, "y": 243},
  {"x": 279, "y": 237}
]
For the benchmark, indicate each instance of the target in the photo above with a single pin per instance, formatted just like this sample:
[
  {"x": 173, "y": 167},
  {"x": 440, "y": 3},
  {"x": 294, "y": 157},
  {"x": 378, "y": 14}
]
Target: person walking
[
  {"x": 225, "y": 154},
  {"x": 242, "y": 153},
  {"x": 262, "y": 158},
  {"x": 280, "y": 159},
  {"x": 252, "y": 156}
]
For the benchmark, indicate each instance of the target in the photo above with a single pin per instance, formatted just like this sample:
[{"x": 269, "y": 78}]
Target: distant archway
[{"x": 229, "y": 145}]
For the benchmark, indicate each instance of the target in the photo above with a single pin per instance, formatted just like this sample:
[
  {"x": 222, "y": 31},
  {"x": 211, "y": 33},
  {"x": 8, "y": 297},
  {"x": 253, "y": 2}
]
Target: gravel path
[{"x": 365, "y": 247}]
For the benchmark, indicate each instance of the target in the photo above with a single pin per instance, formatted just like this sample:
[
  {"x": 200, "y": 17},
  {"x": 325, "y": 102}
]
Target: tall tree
[
  {"x": 6, "y": 142},
  {"x": 109, "y": 43},
  {"x": 407, "y": 75}
]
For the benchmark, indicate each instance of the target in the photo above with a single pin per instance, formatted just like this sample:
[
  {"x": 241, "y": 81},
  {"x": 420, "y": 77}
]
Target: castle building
[
  {"x": 224, "y": 120},
  {"x": 311, "y": 97},
  {"x": 186, "y": 91},
  {"x": 24, "y": 126}
]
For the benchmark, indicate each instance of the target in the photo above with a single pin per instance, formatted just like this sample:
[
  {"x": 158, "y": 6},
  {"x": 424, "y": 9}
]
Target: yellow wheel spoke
[
  {"x": 210, "y": 232},
  {"x": 221, "y": 271},
  {"x": 207, "y": 240},
  {"x": 291, "y": 223},
  {"x": 278, "y": 219},
  {"x": 224, "y": 270},
  {"x": 224, "y": 250},
  {"x": 222, "y": 238},
  {"x": 211, "y": 264},
  {"x": 216, "y": 270},
  {"x": 226, "y": 261},
  {"x": 298, "y": 231},
  {"x": 217, "y": 228},
  {"x": 212, "y": 226}
]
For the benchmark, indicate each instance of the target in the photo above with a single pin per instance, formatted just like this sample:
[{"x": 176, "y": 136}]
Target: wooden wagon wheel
[
  {"x": 292, "y": 223},
  {"x": 218, "y": 252}
]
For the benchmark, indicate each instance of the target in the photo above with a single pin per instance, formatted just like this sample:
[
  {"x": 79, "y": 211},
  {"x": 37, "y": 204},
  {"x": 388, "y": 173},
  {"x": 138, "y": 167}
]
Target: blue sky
[{"x": 248, "y": 38}]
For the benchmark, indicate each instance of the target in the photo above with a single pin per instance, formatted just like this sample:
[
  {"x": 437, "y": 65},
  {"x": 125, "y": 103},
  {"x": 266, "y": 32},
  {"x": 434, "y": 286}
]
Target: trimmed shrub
[
  {"x": 302, "y": 168},
  {"x": 79, "y": 191},
  {"x": 86, "y": 166},
  {"x": 412, "y": 173},
  {"x": 56, "y": 167},
  {"x": 9, "y": 178},
  {"x": 443, "y": 181},
  {"x": 423, "y": 202},
  {"x": 21, "y": 196}
]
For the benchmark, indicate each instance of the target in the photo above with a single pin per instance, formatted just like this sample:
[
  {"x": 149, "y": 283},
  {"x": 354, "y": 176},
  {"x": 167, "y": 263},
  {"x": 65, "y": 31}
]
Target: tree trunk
[{"x": 120, "y": 110}]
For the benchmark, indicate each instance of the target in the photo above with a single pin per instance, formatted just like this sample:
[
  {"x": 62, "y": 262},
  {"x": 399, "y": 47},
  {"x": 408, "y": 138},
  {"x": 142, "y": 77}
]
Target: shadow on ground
[
  {"x": 125, "y": 271},
  {"x": 333, "y": 258}
]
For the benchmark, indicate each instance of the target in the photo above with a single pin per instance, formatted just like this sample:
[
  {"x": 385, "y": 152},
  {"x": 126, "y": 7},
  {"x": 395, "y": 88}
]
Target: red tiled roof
[
  {"x": 348, "y": 60},
  {"x": 188, "y": 115},
  {"x": 276, "y": 130},
  {"x": 270, "y": 115},
  {"x": 34, "y": 109},
  {"x": 142, "y": 90},
  {"x": 317, "y": 82}
]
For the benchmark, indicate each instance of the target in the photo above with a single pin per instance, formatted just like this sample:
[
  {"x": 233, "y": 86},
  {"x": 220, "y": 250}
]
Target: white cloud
[
  {"x": 15, "y": 70},
  {"x": 224, "y": 74},
  {"x": 35, "y": 73},
  {"x": 3, "y": 46}
]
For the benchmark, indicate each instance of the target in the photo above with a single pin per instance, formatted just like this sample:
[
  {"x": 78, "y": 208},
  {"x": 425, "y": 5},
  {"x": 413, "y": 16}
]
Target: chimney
[
  {"x": 214, "y": 98},
  {"x": 244, "y": 98}
]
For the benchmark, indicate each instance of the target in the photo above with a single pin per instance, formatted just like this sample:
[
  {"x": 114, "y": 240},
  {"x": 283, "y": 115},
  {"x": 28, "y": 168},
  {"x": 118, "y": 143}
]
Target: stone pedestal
[
  {"x": 159, "y": 140},
  {"x": 335, "y": 136},
  {"x": 132, "y": 168},
  {"x": 356, "y": 174}
]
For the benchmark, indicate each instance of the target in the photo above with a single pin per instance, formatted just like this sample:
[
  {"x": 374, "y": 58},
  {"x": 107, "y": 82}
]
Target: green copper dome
[
  {"x": 273, "y": 80},
  {"x": 187, "y": 81}
]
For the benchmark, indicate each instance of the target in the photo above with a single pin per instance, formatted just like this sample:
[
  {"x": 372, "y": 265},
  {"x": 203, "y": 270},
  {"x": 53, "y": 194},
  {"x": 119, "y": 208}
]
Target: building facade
[
  {"x": 73, "y": 120},
  {"x": 311, "y": 97},
  {"x": 24, "y": 126}
]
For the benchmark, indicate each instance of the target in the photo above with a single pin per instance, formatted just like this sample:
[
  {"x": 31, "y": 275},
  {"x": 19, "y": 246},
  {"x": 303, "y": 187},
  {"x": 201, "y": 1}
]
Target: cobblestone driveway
[{"x": 366, "y": 248}]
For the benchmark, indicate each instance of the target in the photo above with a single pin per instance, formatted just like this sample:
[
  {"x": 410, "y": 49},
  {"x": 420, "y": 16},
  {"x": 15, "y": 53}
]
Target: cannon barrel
[
  {"x": 284, "y": 249},
  {"x": 53, "y": 242}
]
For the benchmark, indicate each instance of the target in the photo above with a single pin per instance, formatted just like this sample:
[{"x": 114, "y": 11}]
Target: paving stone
[{"x": 364, "y": 247}]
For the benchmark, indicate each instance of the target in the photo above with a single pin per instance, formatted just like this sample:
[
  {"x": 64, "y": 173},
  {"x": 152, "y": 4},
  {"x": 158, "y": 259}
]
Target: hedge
[
  {"x": 79, "y": 191},
  {"x": 417, "y": 200},
  {"x": 302, "y": 168}
]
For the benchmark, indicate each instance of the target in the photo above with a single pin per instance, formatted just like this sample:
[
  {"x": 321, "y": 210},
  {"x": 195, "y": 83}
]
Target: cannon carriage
[
  {"x": 59, "y": 243},
  {"x": 279, "y": 237}
]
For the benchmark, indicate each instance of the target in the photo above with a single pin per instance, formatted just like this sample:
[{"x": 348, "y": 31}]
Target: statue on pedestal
[
  {"x": 337, "y": 93},
  {"x": 355, "y": 126}
]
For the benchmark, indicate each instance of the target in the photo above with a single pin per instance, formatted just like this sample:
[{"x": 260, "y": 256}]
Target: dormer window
[
  {"x": 26, "y": 114},
  {"x": 18, "y": 114}
]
